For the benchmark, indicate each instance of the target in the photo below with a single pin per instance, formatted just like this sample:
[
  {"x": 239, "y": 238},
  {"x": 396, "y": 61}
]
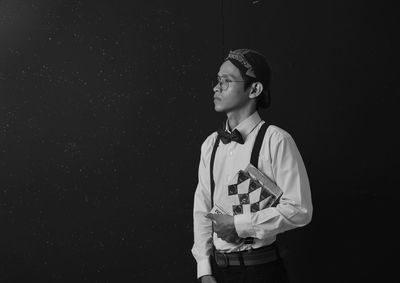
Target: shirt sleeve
[
  {"x": 202, "y": 229},
  {"x": 295, "y": 207}
]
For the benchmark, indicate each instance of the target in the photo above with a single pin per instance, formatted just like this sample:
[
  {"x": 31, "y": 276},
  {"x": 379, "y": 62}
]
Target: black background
[{"x": 104, "y": 106}]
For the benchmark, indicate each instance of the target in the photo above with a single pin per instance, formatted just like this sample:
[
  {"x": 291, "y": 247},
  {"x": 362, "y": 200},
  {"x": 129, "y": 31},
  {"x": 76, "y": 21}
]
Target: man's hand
[
  {"x": 208, "y": 279},
  {"x": 224, "y": 227}
]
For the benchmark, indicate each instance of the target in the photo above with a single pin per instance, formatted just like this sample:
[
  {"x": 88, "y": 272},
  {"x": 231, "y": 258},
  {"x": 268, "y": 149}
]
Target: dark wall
[{"x": 104, "y": 106}]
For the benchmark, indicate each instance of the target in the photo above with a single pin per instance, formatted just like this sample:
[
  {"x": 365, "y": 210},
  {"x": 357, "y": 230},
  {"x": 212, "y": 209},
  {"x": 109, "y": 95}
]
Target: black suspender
[
  {"x": 253, "y": 160},
  {"x": 212, "y": 183},
  {"x": 255, "y": 153}
]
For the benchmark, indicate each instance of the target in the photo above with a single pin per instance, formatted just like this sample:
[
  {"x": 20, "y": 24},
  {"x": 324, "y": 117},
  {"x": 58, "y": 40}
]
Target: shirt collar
[{"x": 246, "y": 126}]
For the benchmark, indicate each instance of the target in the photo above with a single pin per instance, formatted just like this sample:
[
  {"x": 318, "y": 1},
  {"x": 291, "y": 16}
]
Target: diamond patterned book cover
[{"x": 249, "y": 191}]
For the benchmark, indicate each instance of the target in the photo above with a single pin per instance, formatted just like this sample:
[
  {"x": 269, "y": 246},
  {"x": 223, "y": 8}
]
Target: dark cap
[{"x": 254, "y": 65}]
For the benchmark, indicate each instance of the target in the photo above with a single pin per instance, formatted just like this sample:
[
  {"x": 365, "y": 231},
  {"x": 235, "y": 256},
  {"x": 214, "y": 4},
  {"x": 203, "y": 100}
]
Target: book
[
  {"x": 265, "y": 181},
  {"x": 217, "y": 209},
  {"x": 249, "y": 191}
]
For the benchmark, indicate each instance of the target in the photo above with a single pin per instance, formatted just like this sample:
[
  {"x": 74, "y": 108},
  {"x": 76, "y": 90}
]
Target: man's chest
[
  {"x": 229, "y": 160},
  {"x": 232, "y": 158}
]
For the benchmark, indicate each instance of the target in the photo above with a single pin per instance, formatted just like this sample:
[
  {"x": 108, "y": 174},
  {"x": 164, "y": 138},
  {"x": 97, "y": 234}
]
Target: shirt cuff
[
  {"x": 243, "y": 225},
  {"x": 203, "y": 268}
]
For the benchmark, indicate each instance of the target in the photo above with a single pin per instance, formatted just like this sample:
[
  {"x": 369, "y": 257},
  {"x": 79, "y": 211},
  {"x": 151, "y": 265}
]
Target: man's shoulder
[
  {"x": 209, "y": 142},
  {"x": 276, "y": 132}
]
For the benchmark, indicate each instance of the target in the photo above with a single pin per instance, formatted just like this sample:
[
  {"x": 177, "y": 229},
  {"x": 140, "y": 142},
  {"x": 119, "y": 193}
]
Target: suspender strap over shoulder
[
  {"x": 257, "y": 145},
  {"x": 212, "y": 183}
]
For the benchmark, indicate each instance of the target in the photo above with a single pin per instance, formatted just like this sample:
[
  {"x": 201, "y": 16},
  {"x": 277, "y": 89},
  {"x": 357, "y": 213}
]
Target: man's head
[{"x": 244, "y": 78}]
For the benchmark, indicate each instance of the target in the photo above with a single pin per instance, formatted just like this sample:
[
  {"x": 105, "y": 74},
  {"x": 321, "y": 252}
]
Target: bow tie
[{"x": 228, "y": 137}]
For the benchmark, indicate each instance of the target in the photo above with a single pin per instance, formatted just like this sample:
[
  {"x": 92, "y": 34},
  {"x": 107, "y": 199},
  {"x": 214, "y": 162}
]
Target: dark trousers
[{"x": 272, "y": 272}]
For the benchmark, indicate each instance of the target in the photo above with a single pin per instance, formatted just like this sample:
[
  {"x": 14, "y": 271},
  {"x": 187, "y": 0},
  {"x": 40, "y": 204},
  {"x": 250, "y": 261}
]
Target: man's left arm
[{"x": 295, "y": 207}]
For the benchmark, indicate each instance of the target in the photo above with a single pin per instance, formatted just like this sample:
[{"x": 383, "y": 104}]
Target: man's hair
[{"x": 253, "y": 67}]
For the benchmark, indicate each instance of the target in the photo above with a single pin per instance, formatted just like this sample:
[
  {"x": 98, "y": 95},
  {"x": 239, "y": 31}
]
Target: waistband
[{"x": 250, "y": 257}]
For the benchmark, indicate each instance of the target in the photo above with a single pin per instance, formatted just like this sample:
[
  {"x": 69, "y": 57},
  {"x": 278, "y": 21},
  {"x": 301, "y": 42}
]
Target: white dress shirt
[{"x": 280, "y": 160}]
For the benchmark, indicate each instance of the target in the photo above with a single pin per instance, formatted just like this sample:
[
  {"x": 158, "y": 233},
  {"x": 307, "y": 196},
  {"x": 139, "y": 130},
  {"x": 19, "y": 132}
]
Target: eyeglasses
[{"x": 223, "y": 83}]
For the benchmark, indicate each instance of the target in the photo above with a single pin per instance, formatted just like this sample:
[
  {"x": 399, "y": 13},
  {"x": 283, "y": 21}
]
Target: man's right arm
[{"x": 202, "y": 228}]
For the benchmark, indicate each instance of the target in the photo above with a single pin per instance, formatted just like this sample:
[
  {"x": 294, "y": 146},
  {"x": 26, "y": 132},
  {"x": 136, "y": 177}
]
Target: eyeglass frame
[{"x": 227, "y": 81}]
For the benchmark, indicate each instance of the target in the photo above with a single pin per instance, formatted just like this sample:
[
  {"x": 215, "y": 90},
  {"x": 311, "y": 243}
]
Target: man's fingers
[
  {"x": 227, "y": 238},
  {"x": 208, "y": 279},
  {"x": 211, "y": 216},
  {"x": 221, "y": 234}
]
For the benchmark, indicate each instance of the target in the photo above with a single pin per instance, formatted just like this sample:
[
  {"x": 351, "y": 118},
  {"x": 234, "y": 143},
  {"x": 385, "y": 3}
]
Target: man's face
[{"x": 235, "y": 96}]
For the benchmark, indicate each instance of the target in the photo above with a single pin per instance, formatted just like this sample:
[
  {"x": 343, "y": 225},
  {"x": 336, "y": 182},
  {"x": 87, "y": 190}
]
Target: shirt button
[{"x": 230, "y": 153}]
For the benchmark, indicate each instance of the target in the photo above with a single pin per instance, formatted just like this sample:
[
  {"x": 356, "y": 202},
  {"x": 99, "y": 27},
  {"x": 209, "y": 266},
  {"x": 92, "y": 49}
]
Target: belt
[{"x": 247, "y": 258}]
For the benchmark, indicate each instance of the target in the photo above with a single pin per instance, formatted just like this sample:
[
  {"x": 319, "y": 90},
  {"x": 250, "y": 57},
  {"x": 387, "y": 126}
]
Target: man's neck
[{"x": 236, "y": 117}]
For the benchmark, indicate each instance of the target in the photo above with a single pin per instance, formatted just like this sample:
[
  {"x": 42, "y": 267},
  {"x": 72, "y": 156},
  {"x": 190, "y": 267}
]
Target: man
[{"x": 240, "y": 246}]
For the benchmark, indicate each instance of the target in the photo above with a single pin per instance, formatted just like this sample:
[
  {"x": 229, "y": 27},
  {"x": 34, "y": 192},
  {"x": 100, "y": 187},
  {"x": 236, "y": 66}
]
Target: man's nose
[{"x": 217, "y": 88}]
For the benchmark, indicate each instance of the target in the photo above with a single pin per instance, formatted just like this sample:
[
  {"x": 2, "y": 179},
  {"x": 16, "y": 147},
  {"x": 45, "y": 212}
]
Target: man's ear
[{"x": 255, "y": 90}]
